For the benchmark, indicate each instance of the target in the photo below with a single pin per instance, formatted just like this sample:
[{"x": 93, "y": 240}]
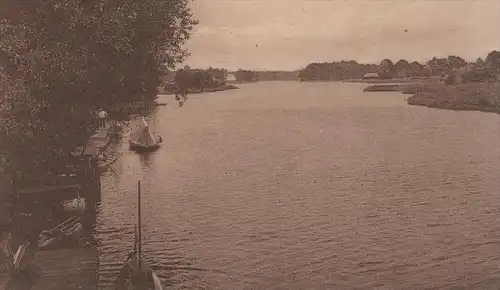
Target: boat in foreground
[{"x": 135, "y": 275}]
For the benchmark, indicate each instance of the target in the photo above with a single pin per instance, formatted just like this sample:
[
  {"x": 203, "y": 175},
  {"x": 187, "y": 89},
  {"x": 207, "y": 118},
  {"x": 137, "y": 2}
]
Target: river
[{"x": 291, "y": 185}]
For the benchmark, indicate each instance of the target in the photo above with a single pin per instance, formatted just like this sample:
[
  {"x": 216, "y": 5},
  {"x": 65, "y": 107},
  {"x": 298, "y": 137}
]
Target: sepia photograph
[{"x": 249, "y": 144}]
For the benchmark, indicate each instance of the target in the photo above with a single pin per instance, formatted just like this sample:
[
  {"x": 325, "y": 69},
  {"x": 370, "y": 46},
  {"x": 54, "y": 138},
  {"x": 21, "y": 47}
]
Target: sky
[{"x": 289, "y": 34}]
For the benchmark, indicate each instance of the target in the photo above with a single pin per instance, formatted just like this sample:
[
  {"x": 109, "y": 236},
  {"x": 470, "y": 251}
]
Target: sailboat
[
  {"x": 142, "y": 139},
  {"x": 134, "y": 274}
]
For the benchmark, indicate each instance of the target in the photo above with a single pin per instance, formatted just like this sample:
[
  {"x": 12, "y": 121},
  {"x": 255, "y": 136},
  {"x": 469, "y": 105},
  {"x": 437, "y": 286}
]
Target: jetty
[
  {"x": 71, "y": 269},
  {"x": 97, "y": 143},
  {"x": 78, "y": 176}
]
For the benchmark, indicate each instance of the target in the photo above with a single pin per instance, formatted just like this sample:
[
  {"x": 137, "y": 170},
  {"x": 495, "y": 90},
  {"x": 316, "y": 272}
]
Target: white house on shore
[{"x": 231, "y": 78}]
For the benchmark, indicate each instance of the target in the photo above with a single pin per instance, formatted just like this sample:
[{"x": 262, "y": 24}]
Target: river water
[{"x": 292, "y": 185}]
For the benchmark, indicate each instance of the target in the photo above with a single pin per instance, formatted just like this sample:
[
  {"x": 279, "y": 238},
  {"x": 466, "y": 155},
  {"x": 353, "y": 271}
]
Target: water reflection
[
  {"x": 146, "y": 159},
  {"x": 261, "y": 188}
]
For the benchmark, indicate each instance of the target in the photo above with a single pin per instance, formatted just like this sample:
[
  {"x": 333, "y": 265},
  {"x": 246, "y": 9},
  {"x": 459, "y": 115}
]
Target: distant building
[
  {"x": 371, "y": 76},
  {"x": 231, "y": 78}
]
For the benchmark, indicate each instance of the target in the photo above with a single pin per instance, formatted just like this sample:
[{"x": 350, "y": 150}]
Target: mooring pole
[{"x": 139, "y": 222}]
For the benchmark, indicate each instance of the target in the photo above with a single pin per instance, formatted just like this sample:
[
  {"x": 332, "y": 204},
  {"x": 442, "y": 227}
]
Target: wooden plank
[
  {"x": 45, "y": 189},
  {"x": 97, "y": 142},
  {"x": 69, "y": 269}
]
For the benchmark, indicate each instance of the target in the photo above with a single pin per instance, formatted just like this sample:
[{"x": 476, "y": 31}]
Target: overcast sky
[{"x": 289, "y": 34}]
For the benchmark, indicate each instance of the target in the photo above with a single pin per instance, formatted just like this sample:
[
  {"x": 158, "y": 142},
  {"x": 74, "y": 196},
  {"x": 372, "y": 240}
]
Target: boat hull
[
  {"x": 143, "y": 148},
  {"x": 74, "y": 206},
  {"x": 131, "y": 277},
  {"x": 142, "y": 139},
  {"x": 53, "y": 239}
]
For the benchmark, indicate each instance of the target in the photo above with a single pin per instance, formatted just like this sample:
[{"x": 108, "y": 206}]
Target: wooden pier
[
  {"x": 79, "y": 175},
  {"x": 97, "y": 142},
  {"x": 69, "y": 269}
]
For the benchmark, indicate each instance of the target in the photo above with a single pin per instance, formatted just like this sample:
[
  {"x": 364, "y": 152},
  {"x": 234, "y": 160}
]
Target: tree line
[
  {"x": 61, "y": 60},
  {"x": 478, "y": 70},
  {"x": 242, "y": 75},
  {"x": 186, "y": 78}
]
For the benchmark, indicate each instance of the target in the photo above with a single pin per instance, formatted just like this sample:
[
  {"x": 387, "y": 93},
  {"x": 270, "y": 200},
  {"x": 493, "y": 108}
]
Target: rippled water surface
[{"x": 310, "y": 186}]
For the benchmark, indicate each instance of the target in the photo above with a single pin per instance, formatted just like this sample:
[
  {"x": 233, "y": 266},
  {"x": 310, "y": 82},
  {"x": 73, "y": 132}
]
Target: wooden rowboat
[{"x": 68, "y": 231}]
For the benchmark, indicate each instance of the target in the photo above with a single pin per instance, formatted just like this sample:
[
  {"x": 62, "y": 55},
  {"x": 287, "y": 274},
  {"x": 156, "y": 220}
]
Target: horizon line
[{"x": 376, "y": 62}]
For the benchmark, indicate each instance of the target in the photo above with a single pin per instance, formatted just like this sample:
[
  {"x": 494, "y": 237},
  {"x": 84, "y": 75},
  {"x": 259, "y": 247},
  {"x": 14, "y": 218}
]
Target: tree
[
  {"x": 245, "y": 75},
  {"x": 493, "y": 61},
  {"x": 62, "y": 59},
  {"x": 455, "y": 62},
  {"x": 198, "y": 80},
  {"x": 416, "y": 69},
  {"x": 426, "y": 71},
  {"x": 438, "y": 65},
  {"x": 401, "y": 68},
  {"x": 386, "y": 68}
]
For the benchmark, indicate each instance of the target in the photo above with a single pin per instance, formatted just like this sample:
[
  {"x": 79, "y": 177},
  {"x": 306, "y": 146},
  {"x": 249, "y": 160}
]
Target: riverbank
[
  {"x": 383, "y": 88},
  {"x": 483, "y": 97},
  {"x": 36, "y": 208},
  {"x": 394, "y": 81},
  {"x": 198, "y": 91}
]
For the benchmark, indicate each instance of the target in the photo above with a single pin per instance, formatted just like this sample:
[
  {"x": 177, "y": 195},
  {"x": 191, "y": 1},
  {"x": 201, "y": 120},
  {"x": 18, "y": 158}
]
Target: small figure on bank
[{"x": 102, "y": 119}]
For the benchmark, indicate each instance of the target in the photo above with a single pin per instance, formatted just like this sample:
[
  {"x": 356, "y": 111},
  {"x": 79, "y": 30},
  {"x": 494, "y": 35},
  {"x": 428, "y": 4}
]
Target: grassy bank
[
  {"x": 394, "y": 81},
  {"x": 383, "y": 88},
  {"x": 483, "y": 96},
  {"x": 476, "y": 96}
]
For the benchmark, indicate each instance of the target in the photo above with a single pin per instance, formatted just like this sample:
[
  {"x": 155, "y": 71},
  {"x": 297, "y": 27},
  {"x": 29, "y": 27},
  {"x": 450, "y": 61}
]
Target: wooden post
[{"x": 139, "y": 222}]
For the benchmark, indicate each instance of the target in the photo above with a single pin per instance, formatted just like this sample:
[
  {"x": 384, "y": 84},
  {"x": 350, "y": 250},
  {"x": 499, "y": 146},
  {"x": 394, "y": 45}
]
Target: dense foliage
[
  {"x": 475, "y": 71},
  {"x": 61, "y": 60},
  {"x": 200, "y": 79},
  {"x": 245, "y": 76},
  {"x": 186, "y": 80}
]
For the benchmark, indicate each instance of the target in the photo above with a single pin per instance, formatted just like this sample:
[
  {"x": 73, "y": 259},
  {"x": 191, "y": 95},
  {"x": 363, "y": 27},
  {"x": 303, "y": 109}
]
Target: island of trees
[
  {"x": 216, "y": 79},
  {"x": 187, "y": 80},
  {"x": 258, "y": 76}
]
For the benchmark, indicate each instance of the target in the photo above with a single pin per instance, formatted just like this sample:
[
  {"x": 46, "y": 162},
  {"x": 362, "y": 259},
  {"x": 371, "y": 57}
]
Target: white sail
[{"x": 143, "y": 136}]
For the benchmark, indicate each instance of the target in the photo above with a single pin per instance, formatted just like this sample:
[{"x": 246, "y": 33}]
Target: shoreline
[
  {"x": 197, "y": 91},
  {"x": 481, "y": 97},
  {"x": 411, "y": 80}
]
